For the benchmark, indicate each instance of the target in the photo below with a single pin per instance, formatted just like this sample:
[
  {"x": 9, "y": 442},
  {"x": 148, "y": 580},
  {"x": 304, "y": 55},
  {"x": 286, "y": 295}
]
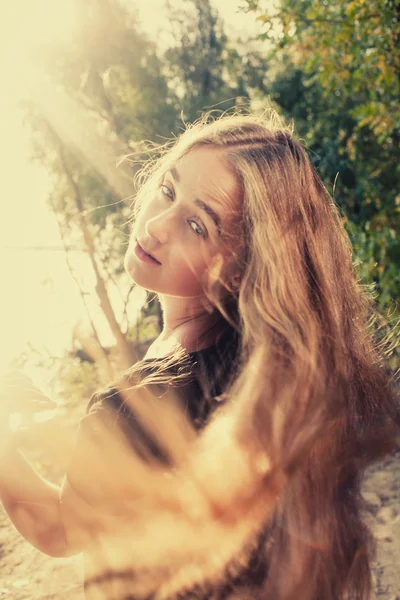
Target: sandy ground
[
  {"x": 26, "y": 573},
  {"x": 382, "y": 493}
]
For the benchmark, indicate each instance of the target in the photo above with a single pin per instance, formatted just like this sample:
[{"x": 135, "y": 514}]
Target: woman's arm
[
  {"x": 54, "y": 519},
  {"x": 32, "y": 504},
  {"x": 50, "y": 517}
]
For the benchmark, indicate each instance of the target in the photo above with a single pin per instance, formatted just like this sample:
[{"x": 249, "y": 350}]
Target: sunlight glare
[{"x": 26, "y": 27}]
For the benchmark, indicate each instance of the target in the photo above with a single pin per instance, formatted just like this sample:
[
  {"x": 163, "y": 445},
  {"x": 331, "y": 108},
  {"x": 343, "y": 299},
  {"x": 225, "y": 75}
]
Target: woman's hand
[{"x": 20, "y": 403}]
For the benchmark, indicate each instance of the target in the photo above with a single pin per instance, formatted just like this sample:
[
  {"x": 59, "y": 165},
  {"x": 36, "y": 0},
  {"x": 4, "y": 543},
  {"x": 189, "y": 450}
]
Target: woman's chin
[{"x": 131, "y": 266}]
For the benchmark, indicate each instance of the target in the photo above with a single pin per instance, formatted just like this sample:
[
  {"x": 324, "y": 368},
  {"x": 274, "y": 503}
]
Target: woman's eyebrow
[{"x": 201, "y": 204}]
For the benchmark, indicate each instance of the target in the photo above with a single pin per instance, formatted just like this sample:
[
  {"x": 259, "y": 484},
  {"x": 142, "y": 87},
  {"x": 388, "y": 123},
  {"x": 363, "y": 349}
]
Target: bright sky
[{"x": 39, "y": 300}]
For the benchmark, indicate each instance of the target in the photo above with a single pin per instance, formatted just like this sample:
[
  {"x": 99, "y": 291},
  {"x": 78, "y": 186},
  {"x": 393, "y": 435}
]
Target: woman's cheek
[{"x": 189, "y": 269}]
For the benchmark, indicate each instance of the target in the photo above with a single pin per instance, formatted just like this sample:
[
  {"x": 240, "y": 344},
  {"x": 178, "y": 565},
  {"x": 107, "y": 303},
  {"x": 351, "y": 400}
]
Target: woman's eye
[
  {"x": 166, "y": 191},
  {"x": 164, "y": 187},
  {"x": 199, "y": 230}
]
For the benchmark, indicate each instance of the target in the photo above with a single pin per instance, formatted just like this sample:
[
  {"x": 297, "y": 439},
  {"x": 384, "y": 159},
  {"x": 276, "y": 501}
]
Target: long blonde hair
[{"x": 312, "y": 403}]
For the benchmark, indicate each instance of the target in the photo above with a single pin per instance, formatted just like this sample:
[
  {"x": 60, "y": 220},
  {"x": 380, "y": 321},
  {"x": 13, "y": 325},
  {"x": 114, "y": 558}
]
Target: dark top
[
  {"x": 96, "y": 472},
  {"x": 205, "y": 376}
]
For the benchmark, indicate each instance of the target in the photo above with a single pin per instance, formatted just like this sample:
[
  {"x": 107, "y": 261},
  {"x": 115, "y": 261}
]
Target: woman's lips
[{"x": 140, "y": 253}]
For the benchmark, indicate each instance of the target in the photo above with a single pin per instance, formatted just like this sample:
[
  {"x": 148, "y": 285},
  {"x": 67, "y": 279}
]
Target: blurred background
[{"x": 87, "y": 82}]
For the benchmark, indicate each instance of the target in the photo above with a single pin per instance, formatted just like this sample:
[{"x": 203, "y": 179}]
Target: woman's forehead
[{"x": 207, "y": 170}]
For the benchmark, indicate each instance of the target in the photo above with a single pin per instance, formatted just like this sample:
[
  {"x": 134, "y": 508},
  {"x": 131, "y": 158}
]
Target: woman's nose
[{"x": 159, "y": 227}]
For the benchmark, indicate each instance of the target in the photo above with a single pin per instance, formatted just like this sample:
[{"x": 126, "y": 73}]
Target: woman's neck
[
  {"x": 186, "y": 324},
  {"x": 182, "y": 314}
]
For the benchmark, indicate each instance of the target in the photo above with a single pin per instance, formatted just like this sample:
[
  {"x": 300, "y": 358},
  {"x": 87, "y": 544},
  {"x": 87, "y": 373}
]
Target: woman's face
[{"x": 190, "y": 220}]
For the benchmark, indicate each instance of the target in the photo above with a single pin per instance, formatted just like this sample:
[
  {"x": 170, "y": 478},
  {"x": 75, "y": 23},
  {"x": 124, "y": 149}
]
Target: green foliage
[
  {"x": 146, "y": 328},
  {"x": 378, "y": 250},
  {"x": 76, "y": 380},
  {"x": 113, "y": 68},
  {"x": 337, "y": 71},
  {"x": 204, "y": 66}
]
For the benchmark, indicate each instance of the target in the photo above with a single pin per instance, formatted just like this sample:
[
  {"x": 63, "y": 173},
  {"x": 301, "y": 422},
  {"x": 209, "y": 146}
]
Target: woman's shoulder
[
  {"x": 160, "y": 349},
  {"x": 154, "y": 374},
  {"x": 198, "y": 378}
]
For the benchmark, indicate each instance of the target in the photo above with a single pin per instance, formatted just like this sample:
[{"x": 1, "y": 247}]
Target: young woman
[{"x": 227, "y": 463}]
